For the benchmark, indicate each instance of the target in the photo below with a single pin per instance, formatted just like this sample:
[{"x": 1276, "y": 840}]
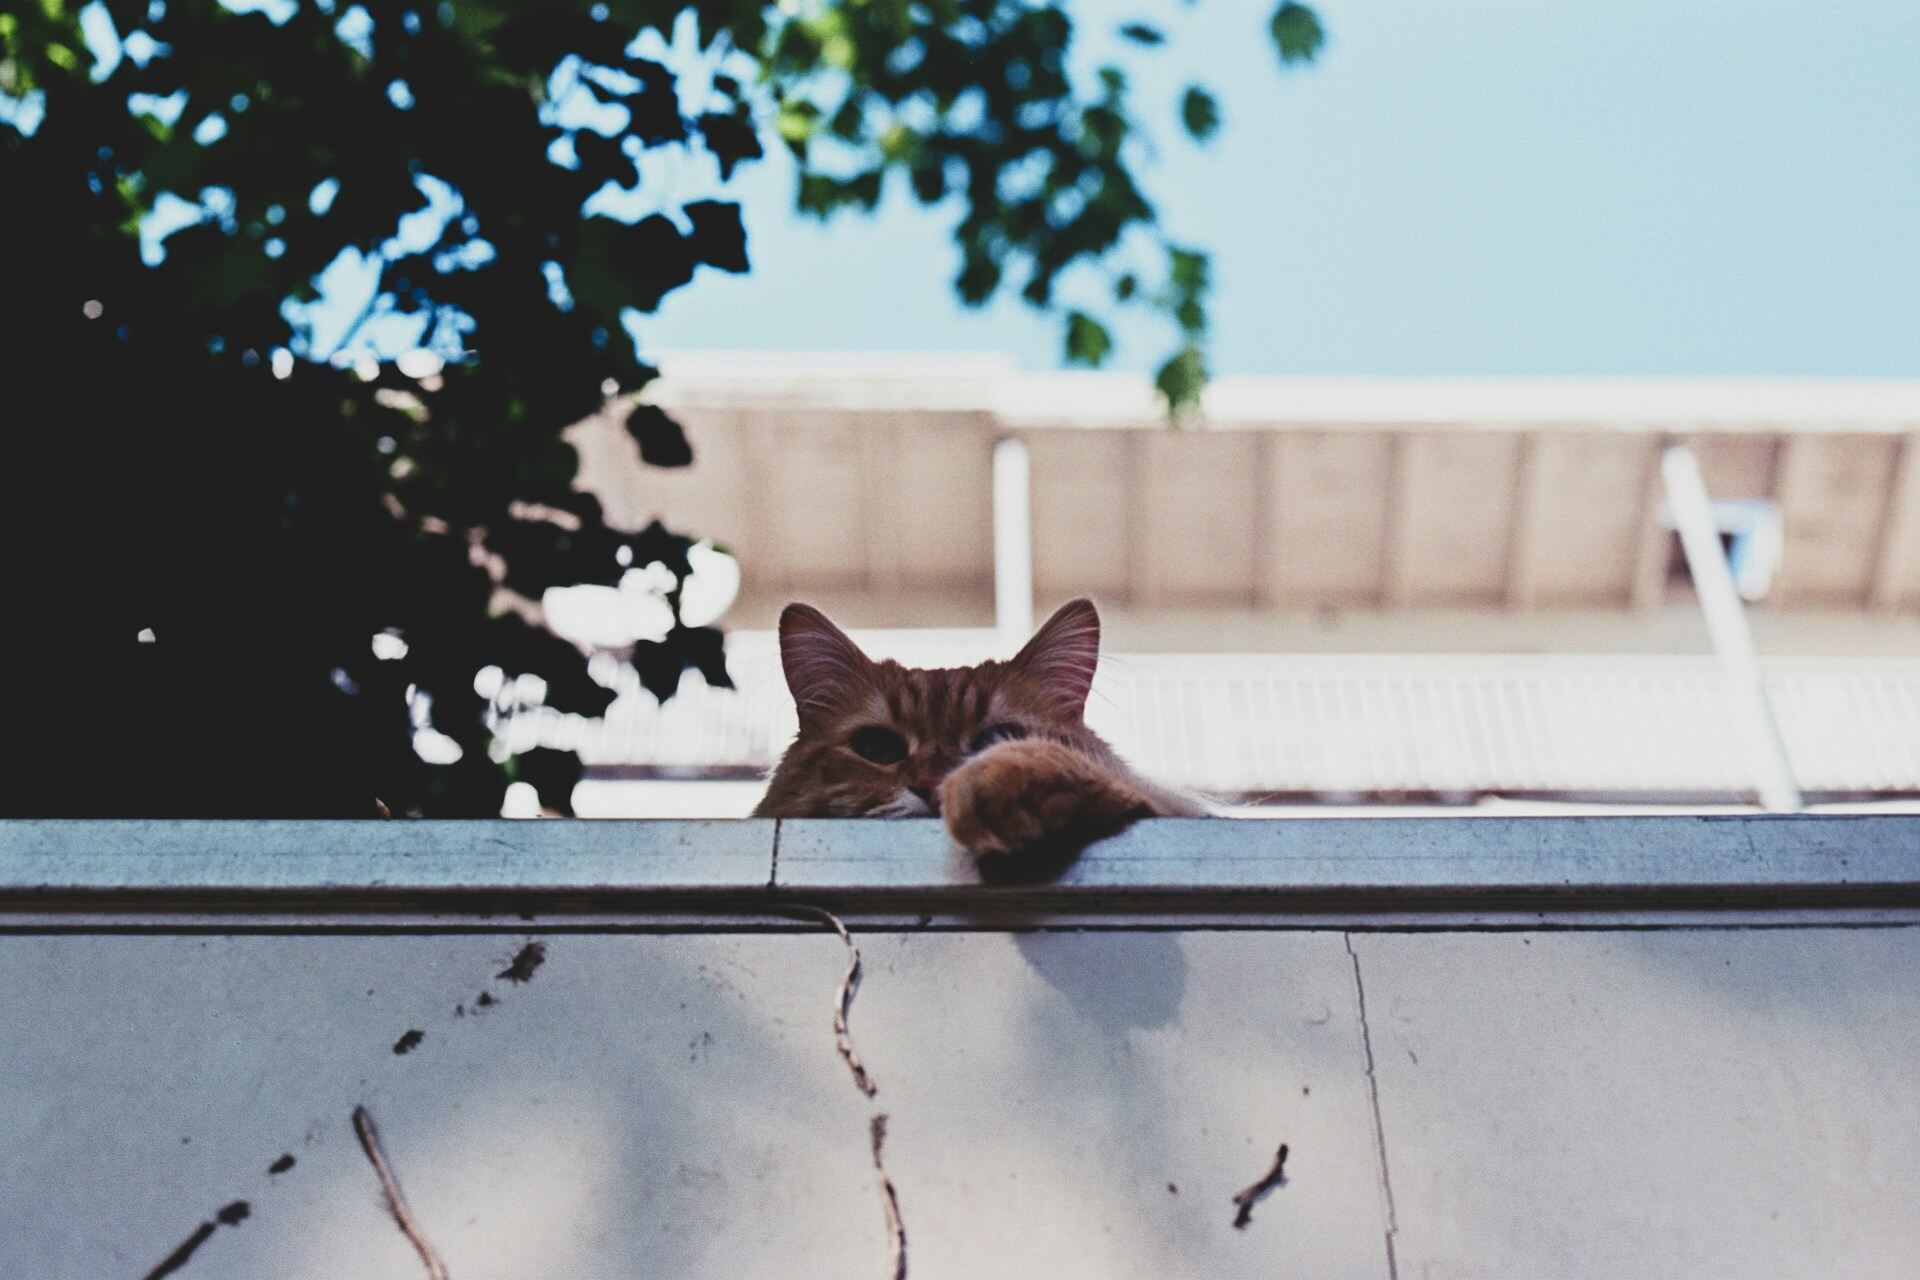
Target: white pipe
[
  {"x": 1012, "y": 543},
  {"x": 1726, "y": 616}
]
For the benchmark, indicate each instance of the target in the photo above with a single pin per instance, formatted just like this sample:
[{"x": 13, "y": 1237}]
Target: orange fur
[
  {"x": 1050, "y": 786},
  {"x": 1034, "y": 795}
]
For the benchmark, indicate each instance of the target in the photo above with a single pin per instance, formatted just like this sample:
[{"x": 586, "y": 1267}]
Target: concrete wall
[{"x": 1076, "y": 1079}]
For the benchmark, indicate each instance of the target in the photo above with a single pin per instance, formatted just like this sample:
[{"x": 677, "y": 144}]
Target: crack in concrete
[
  {"x": 843, "y": 1002},
  {"x": 231, "y": 1215},
  {"x": 178, "y": 1258},
  {"x": 396, "y": 1203},
  {"x": 1373, "y": 1095},
  {"x": 889, "y": 1199},
  {"x": 1246, "y": 1198},
  {"x": 864, "y": 1082},
  {"x": 519, "y": 970}
]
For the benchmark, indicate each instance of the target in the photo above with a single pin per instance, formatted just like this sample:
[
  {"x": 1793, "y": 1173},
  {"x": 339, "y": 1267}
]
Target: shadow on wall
[
  {"x": 1117, "y": 981},
  {"x": 611, "y": 1115}
]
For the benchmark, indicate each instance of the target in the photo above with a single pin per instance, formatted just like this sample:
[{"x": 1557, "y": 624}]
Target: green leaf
[
  {"x": 929, "y": 180},
  {"x": 1088, "y": 342},
  {"x": 1199, "y": 113},
  {"x": 1187, "y": 272},
  {"x": 553, "y": 774},
  {"x": 1181, "y": 379},
  {"x": 1297, "y": 33},
  {"x": 899, "y": 143},
  {"x": 1188, "y": 279},
  {"x": 731, "y": 139},
  {"x": 661, "y": 440},
  {"x": 718, "y": 237},
  {"x": 796, "y": 122},
  {"x": 358, "y": 515}
]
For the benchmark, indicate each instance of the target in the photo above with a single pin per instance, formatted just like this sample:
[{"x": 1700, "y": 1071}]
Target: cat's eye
[
  {"x": 998, "y": 733},
  {"x": 881, "y": 746}
]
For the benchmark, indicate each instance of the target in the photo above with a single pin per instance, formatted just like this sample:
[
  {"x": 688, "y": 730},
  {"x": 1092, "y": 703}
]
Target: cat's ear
[
  {"x": 824, "y": 668},
  {"x": 1060, "y": 658}
]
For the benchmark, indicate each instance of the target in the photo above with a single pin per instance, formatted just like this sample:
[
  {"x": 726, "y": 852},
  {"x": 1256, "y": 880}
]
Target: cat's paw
[{"x": 1033, "y": 798}]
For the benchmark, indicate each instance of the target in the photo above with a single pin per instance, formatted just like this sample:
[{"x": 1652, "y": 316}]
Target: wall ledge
[{"x": 756, "y": 868}]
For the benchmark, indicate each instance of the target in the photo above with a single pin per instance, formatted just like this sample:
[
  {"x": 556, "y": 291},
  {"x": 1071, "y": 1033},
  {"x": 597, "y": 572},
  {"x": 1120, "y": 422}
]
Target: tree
[{"x": 247, "y": 560}]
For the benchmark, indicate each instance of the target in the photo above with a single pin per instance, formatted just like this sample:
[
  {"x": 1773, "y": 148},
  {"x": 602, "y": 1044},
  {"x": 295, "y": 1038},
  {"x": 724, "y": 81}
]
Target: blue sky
[
  {"x": 1493, "y": 187},
  {"x": 1483, "y": 187}
]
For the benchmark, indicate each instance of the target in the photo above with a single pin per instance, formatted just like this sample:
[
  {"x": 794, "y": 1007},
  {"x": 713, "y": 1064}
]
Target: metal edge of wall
[{"x": 1394, "y": 872}]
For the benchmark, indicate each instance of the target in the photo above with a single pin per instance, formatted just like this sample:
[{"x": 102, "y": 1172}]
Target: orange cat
[{"x": 1000, "y": 750}]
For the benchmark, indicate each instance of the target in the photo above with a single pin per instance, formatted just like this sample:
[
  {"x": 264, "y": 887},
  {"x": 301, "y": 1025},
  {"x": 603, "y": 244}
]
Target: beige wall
[{"x": 1520, "y": 514}]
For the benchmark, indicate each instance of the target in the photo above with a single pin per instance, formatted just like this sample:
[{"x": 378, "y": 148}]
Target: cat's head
[{"x": 877, "y": 738}]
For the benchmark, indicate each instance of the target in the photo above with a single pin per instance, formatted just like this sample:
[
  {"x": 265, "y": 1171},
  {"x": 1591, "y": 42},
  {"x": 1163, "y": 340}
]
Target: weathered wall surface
[{"x": 1694, "y": 1102}]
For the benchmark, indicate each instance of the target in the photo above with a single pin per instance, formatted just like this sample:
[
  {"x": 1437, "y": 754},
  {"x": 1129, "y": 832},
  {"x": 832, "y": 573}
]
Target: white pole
[
  {"x": 1727, "y": 620},
  {"x": 1012, "y": 543}
]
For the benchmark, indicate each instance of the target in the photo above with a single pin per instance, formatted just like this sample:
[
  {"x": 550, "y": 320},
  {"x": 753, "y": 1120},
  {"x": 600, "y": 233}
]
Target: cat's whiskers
[{"x": 904, "y": 805}]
